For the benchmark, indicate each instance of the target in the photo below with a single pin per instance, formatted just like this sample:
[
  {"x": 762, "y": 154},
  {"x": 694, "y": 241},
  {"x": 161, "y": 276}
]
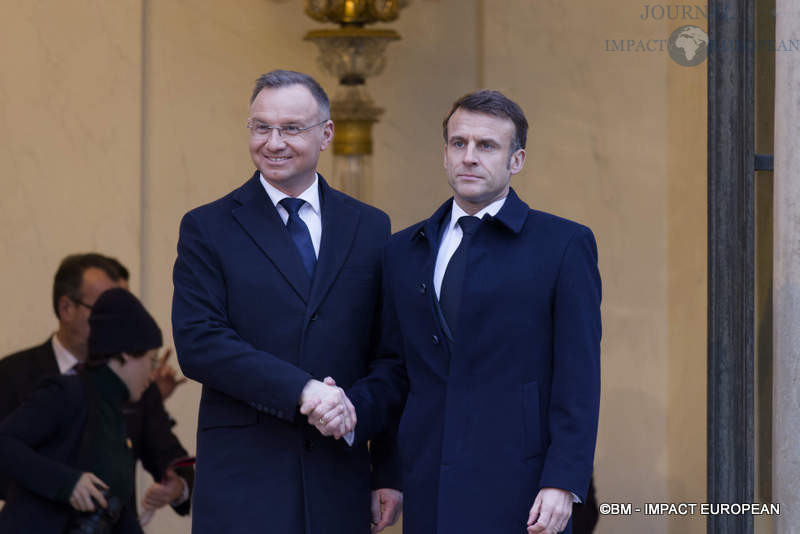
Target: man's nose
[
  {"x": 471, "y": 155},
  {"x": 274, "y": 139}
]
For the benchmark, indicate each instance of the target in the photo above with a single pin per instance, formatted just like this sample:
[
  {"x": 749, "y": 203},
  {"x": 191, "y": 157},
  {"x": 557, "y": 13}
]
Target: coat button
[
  {"x": 309, "y": 445},
  {"x": 423, "y": 288},
  {"x": 435, "y": 339},
  {"x": 314, "y": 317}
]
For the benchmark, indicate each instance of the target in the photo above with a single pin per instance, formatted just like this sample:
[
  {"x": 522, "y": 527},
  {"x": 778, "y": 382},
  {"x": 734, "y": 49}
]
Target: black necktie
[
  {"x": 300, "y": 234},
  {"x": 453, "y": 281}
]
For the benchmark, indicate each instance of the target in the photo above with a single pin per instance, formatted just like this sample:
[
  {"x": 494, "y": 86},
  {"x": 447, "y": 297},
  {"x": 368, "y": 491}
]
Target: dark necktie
[
  {"x": 453, "y": 281},
  {"x": 300, "y": 234}
]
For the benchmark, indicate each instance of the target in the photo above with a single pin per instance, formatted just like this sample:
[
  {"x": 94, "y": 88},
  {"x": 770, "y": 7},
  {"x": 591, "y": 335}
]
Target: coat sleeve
[
  {"x": 575, "y": 391},
  {"x": 160, "y": 445},
  {"x": 209, "y": 349},
  {"x": 36, "y": 422},
  {"x": 387, "y": 470},
  {"x": 379, "y": 397},
  {"x": 8, "y": 401},
  {"x": 8, "y": 391}
]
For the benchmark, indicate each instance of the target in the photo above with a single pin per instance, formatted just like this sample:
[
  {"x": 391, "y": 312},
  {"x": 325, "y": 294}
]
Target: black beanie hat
[{"x": 120, "y": 323}]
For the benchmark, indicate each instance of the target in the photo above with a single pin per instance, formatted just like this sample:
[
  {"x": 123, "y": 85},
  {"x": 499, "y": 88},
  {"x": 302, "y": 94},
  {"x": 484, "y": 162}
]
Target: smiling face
[
  {"x": 477, "y": 159},
  {"x": 288, "y": 162}
]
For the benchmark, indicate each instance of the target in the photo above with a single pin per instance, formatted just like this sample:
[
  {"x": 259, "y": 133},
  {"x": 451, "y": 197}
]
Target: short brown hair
[
  {"x": 69, "y": 276},
  {"x": 497, "y": 104}
]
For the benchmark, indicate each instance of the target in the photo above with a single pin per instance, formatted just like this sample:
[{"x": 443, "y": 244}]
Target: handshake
[{"x": 328, "y": 408}]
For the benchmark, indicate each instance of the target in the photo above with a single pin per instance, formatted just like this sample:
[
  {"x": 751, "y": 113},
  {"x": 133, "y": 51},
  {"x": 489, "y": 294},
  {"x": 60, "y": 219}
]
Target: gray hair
[{"x": 285, "y": 78}]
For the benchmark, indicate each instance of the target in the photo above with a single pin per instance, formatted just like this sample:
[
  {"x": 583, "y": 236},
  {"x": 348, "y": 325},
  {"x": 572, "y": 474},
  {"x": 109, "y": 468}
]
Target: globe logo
[{"x": 688, "y": 46}]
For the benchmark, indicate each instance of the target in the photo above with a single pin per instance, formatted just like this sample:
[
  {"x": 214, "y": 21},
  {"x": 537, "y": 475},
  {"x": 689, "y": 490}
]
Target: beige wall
[
  {"x": 69, "y": 136},
  {"x": 618, "y": 143},
  {"x": 116, "y": 120}
]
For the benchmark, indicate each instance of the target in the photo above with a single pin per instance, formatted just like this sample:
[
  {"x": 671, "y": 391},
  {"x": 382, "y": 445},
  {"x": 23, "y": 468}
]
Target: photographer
[{"x": 72, "y": 477}]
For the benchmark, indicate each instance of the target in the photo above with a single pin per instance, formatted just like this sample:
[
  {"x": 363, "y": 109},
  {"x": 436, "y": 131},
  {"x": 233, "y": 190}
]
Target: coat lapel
[
  {"x": 512, "y": 215},
  {"x": 429, "y": 235},
  {"x": 430, "y": 232},
  {"x": 339, "y": 224},
  {"x": 434, "y": 229},
  {"x": 45, "y": 359},
  {"x": 259, "y": 218}
]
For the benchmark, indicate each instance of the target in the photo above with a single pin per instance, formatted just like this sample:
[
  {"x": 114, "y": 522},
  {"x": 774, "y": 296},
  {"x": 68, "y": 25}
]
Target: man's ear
[
  {"x": 65, "y": 307},
  {"x": 327, "y": 135},
  {"x": 517, "y": 161}
]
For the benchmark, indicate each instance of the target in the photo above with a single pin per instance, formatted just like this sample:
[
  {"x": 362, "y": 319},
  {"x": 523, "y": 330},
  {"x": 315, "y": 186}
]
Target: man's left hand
[
  {"x": 163, "y": 493},
  {"x": 166, "y": 377},
  {"x": 387, "y": 504},
  {"x": 550, "y": 511}
]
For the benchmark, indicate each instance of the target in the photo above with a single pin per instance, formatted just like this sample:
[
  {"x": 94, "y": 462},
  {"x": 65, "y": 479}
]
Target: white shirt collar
[
  {"x": 310, "y": 195},
  {"x": 64, "y": 358},
  {"x": 456, "y": 212}
]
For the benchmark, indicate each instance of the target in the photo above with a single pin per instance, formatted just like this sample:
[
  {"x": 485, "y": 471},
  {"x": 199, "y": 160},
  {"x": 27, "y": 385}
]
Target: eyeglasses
[
  {"x": 79, "y": 302},
  {"x": 262, "y": 129}
]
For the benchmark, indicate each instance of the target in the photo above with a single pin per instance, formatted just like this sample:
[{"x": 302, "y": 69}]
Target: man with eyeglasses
[
  {"x": 277, "y": 288},
  {"x": 79, "y": 281}
]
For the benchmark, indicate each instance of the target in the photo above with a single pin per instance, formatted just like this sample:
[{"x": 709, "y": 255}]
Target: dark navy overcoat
[
  {"x": 510, "y": 405},
  {"x": 253, "y": 329}
]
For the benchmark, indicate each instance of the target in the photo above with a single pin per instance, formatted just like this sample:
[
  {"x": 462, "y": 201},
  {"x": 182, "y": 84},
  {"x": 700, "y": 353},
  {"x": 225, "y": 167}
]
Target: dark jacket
[
  {"x": 511, "y": 405},
  {"x": 40, "y": 449},
  {"x": 147, "y": 423},
  {"x": 253, "y": 329}
]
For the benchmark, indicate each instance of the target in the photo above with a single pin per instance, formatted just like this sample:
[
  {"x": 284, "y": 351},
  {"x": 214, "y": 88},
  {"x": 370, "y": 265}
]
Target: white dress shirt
[
  {"x": 310, "y": 212},
  {"x": 452, "y": 238},
  {"x": 64, "y": 358}
]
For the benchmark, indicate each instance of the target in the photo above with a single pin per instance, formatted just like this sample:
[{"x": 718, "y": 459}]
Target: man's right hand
[
  {"x": 327, "y": 408},
  {"x": 165, "y": 376},
  {"x": 86, "y": 489}
]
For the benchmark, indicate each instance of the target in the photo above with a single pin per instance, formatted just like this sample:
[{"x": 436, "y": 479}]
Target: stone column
[{"x": 786, "y": 292}]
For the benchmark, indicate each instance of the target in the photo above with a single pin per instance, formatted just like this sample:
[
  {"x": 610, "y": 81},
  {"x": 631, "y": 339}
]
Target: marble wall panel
[{"x": 70, "y": 131}]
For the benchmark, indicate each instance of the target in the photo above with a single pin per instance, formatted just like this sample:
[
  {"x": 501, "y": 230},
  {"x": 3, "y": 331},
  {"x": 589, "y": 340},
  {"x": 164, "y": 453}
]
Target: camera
[{"x": 101, "y": 521}]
